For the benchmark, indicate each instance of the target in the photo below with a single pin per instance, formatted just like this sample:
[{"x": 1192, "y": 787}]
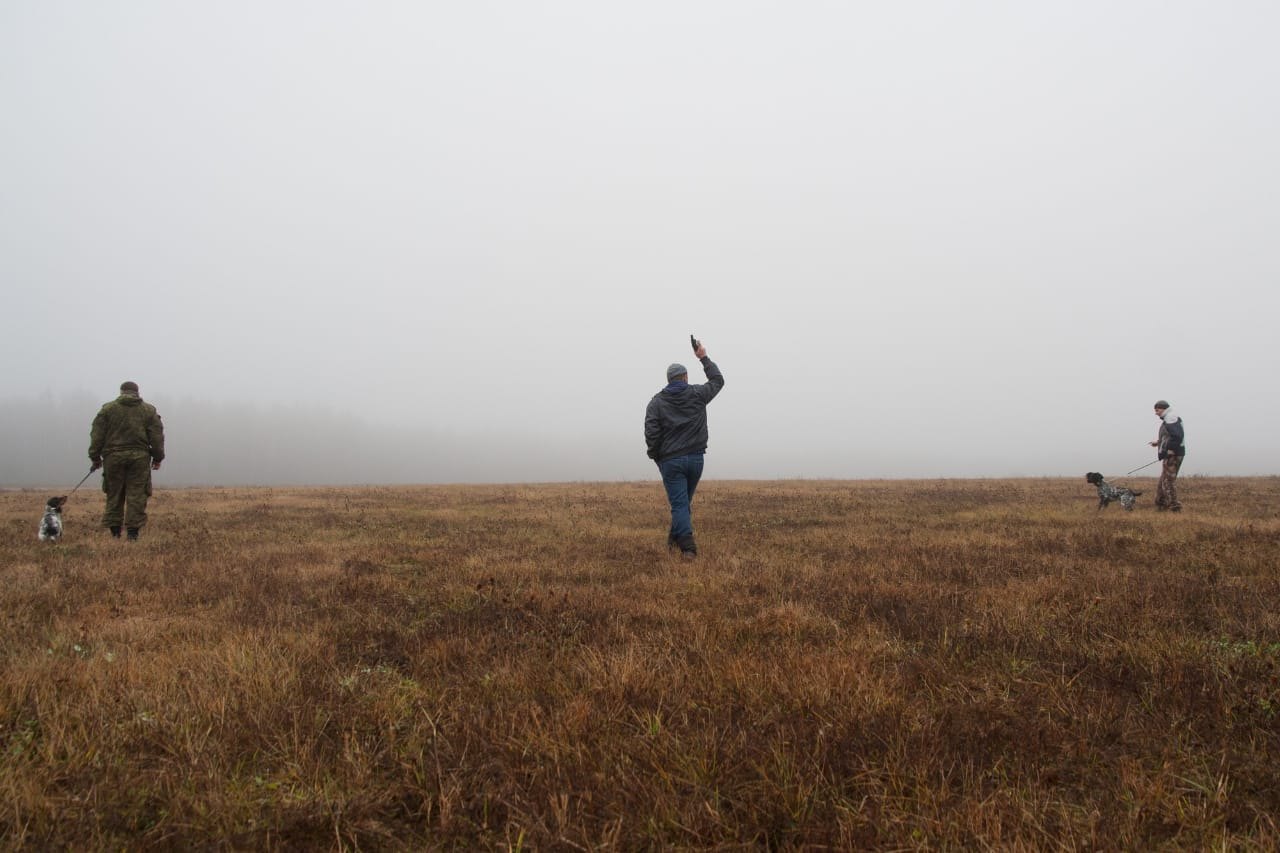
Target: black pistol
[{"x": 693, "y": 342}]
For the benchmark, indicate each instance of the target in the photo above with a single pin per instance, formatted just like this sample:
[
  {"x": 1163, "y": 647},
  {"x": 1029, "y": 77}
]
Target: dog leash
[
  {"x": 1148, "y": 465},
  {"x": 81, "y": 483}
]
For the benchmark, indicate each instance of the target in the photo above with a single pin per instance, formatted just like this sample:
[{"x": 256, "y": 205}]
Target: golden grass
[{"x": 850, "y": 665}]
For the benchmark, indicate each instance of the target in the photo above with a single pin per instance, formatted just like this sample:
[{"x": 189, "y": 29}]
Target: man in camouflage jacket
[{"x": 127, "y": 443}]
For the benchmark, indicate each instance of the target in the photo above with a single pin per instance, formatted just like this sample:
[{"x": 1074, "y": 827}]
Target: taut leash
[
  {"x": 1148, "y": 465},
  {"x": 81, "y": 483}
]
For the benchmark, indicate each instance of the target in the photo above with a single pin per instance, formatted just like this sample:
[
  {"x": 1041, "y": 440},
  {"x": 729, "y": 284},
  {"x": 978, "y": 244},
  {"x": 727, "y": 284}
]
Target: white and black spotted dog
[
  {"x": 51, "y": 524},
  {"x": 1108, "y": 493}
]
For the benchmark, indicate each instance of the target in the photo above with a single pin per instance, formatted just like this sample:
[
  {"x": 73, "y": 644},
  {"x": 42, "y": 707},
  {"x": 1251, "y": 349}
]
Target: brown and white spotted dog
[{"x": 1108, "y": 493}]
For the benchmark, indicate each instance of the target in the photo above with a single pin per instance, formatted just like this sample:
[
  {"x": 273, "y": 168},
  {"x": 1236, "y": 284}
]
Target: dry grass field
[{"x": 849, "y": 665}]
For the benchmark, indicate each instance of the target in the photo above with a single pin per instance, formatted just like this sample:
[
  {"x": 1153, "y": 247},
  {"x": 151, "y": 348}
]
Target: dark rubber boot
[
  {"x": 133, "y": 534},
  {"x": 115, "y": 531}
]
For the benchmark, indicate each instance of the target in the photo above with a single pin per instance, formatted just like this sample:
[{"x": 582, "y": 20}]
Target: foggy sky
[{"x": 412, "y": 242}]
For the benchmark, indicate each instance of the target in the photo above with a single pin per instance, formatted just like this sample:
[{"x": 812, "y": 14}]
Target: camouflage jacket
[{"x": 127, "y": 423}]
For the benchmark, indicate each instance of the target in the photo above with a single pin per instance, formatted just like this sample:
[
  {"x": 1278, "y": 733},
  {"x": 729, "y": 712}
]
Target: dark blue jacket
[
  {"x": 675, "y": 423},
  {"x": 1170, "y": 438}
]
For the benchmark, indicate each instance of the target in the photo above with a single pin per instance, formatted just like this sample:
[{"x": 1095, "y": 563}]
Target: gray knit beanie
[{"x": 675, "y": 370}]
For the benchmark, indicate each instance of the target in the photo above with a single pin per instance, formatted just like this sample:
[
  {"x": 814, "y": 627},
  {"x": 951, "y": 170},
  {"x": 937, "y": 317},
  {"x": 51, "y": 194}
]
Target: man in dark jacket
[
  {"x": 127, "y": 443},
  {"x": 675, "y": 430},
  {"x": 1170, "y": 450}
]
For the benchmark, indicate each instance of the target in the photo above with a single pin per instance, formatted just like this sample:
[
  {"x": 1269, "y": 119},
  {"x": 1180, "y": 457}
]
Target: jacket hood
[
  {"x": 1170, "y": 416},
  {"x": 129, "y": 400}
]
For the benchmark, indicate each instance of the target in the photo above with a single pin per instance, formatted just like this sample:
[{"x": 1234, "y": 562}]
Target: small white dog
[{"x": 51, "y": 524}]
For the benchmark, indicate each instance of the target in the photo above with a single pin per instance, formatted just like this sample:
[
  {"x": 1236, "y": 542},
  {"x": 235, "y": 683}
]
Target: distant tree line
[{"x": 43, "y": 442}]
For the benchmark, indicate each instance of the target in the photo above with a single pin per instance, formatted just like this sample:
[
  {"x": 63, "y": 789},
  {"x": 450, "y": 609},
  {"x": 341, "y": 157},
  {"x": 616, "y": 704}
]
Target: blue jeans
[{"x": 680, "y": 476}]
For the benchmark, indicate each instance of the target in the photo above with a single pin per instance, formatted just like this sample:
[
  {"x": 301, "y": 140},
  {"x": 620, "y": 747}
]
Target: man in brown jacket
[{"x": 127, "y": 443}]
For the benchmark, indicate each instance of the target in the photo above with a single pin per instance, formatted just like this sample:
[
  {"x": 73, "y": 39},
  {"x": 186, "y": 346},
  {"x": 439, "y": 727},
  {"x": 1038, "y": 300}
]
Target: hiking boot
[
  {"x": 671, "y": 543},
  {"x": 133, "y": 534},
  {"x": 115, "y": 530},
  {"x": 688, "y": 548}
]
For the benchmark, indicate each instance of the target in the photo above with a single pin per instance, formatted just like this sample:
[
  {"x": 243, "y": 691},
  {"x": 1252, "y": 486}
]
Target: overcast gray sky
[{"x": 919, "y": 238}]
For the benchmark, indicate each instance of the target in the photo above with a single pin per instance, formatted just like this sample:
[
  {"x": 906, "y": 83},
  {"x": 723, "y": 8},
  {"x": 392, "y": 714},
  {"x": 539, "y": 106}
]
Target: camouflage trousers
[
  {"x": 126, "y": 480},
  {"x": 1166, "y": 489}
]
